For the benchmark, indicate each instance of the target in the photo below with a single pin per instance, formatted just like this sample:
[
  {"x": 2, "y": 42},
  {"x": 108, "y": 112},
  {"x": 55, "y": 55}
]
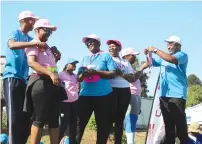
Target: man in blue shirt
[
  {"x": 15, "y": 75},
  {"x": 173, "y": 88}
]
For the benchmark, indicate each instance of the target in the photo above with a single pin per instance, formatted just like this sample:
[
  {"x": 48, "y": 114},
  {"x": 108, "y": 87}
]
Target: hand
[
  {"x": 85, "y": 73},
  {"x": 146, "y": 51},
  {"x": 91, "y": 71},
  {"x": 55, "y": 79},
  {"x": 41, "y": 45},
  {"x": 56, "y": 53},
  {"x": 144, "y": 66},
  {"x": 119, "y": 72},
  {"x": 151, "y": 49}
]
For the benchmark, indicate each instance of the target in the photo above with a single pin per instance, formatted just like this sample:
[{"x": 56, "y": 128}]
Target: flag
[{"x": 156, "y": 131}]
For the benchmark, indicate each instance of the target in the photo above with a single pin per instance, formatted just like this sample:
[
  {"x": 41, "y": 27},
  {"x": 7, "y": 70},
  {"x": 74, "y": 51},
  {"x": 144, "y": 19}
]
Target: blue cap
[
  {"x": 41, "y": 143},
  {"x": 66, "y": 141},
  {"x": 71, "y": 60},
  {"x": 3, "y": 138}
]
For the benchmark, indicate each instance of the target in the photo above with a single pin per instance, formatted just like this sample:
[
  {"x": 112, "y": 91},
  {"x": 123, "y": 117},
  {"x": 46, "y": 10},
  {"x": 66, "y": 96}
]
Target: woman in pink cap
[
  {"x": 43, "y": 88},
  {"x": 121, "y": 88},
  {"x": 69, "y": 107},
  {"x": 135, "y": 102},
  {"x": 95, "y": 94}
]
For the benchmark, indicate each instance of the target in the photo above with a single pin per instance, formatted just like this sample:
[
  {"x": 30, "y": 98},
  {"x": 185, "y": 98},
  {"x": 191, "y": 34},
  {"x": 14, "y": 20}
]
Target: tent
[{"x": 194, "y": 113}]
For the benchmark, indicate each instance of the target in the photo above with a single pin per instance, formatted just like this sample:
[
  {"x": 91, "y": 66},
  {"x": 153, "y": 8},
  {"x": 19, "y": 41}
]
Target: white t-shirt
[{"x": 126, "y": 68}]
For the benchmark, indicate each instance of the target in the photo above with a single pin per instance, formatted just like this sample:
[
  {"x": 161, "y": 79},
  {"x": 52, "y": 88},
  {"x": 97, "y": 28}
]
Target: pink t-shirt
[
  {"x": 71, "y": 86},
  {"x": 45, "y": 58},
  {"x": 135, "y": 88}
]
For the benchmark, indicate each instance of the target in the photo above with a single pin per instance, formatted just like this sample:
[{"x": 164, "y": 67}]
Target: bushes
[{"x": 4, "y": 120}]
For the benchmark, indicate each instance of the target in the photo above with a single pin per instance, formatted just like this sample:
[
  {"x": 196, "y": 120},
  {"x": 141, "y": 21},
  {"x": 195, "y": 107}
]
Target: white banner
[{"x": 156, "y": 131}]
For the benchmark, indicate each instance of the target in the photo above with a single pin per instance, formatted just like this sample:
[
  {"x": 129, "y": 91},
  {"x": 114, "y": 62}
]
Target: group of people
[{"x": 106, "y": 85}]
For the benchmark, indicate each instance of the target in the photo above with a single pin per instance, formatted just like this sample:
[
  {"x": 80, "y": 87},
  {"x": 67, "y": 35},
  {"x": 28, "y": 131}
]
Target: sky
[{"x": 135, "y": 24}]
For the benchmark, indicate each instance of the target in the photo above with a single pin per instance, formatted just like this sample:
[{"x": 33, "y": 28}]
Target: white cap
[
  {"x": 174, "y": 39},
  {"x": 26, "y": 14},
  {"x": 128, "y": 51},
  {"x": 91, "y": 36},
  {"x": 44, "y": 23}
]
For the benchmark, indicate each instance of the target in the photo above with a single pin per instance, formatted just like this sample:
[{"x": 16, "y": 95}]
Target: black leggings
[
  {"x": 46, "y": 103},
  {"x": 68, "y": 119},
  {"x": 121, "y": 98},
  {"x": 101, "y": 105}
]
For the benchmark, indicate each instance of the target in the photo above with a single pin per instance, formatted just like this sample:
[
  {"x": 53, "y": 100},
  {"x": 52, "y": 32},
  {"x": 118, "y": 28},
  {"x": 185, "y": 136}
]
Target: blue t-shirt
[
  {"x": 173, "y": 79},
  {"x": 104, "y": 62},
  {"x": 16, "y": 60},
  {"x": 198, "y": 140}
]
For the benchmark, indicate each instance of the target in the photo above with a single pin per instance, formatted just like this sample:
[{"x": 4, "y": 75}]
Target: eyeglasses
[{"x": 47, "y": 31}]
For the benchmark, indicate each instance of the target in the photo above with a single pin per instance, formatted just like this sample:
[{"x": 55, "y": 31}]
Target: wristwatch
[{"x": 155, "y": 50}]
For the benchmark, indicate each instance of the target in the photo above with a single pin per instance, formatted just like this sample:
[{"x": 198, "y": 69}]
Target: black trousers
[
  {"x": 46, "y": 103},
  {"x": 173, "y": 111},
  {"x": 68, "y": 120},
  {"x": 18, "y": 121},
  {"x": 101, "y": 105},
  {"x": 121, "y": 97}
]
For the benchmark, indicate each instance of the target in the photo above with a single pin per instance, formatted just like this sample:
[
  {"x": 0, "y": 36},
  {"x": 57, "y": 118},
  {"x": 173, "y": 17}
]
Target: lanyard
[
  {"x": 94, "y": 56},
  {"x": 117, "y": 66}
]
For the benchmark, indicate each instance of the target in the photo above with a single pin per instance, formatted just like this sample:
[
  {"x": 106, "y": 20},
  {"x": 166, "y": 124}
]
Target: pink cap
[
  {"x": 128, "y": 51},
  {"x": 44, "y": 23},
  {"x": 26, "y": 14},
  {"x": 91, "y": 36},
  {"x": 114, "y": 41}
]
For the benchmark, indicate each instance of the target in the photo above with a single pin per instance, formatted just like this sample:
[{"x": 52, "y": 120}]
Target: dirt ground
[{"x": 90, "y": 138}]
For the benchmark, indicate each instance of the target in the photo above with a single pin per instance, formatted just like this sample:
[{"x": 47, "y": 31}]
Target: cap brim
[
  {"x": 136, "y": 53},
  {"x": 73, "y": 62},
  {"x": 193, "y": 130},
  {"x": 85, "y": 38},
  {"x": 110, "y": 41},
  {"x": 168, "y": 41},
  {"x": 36, "y": 18},
  {"x": 53, "y": 28}
]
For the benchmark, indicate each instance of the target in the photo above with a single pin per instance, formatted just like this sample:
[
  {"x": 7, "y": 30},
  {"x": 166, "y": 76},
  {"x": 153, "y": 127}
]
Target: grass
[{"x": 90, "y": 138}]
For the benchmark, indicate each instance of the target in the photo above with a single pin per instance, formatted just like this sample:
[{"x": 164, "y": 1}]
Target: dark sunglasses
[
  {"x": 90, "y": 41},
  {"x": 47, "y": 31}
]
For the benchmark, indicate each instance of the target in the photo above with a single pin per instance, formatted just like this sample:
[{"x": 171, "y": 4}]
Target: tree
[
  {"x": 143, "y": 80},
  {"x": 193, "y": 80},
  {"x": 136, "y": 65},
  {"x": 194, "y": 95}
]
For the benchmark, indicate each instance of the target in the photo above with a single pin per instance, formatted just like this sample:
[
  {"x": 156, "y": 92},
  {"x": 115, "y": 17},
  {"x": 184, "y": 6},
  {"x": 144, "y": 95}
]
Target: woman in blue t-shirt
[{"x": 95, "y": 94}]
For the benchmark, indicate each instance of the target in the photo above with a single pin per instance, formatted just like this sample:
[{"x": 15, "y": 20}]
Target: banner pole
[{"x": 152, "y": 107}]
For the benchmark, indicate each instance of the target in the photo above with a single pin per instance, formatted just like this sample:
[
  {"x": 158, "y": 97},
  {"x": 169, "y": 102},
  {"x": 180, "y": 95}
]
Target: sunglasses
[
  {"x": 47, "y": 31},
  {"x": 89, "y": 42}
]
